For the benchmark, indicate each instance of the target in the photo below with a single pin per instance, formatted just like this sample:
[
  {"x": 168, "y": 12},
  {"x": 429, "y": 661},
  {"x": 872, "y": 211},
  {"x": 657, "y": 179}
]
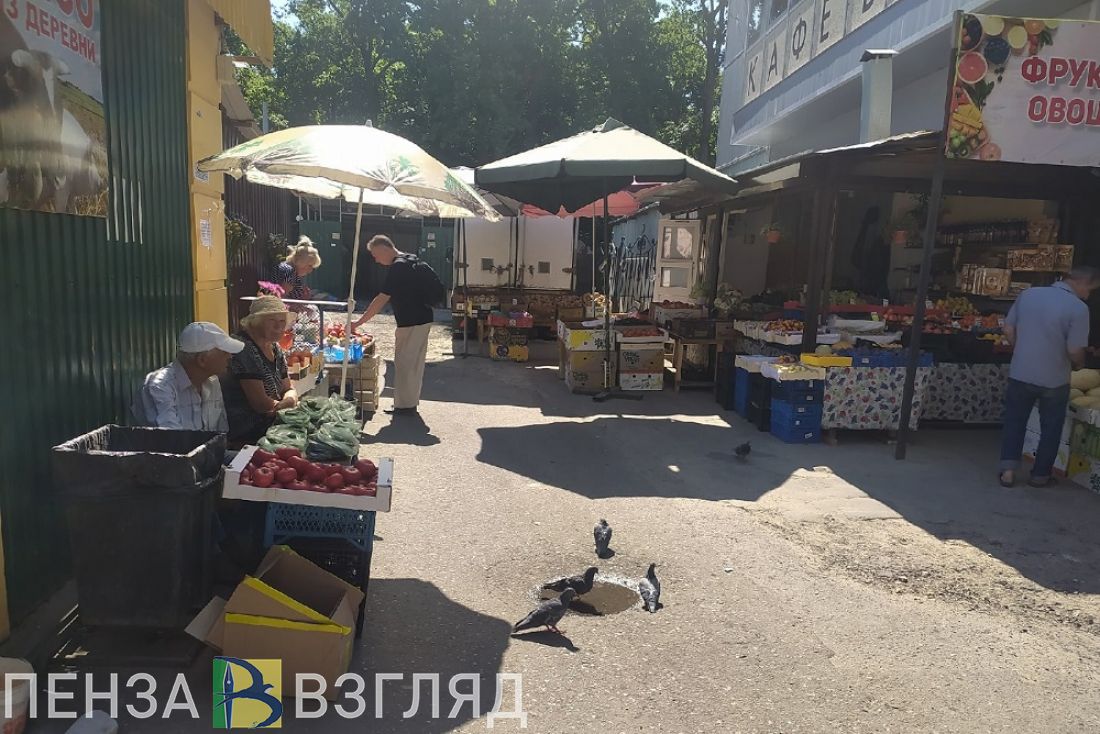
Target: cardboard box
[
  {"x": 290, "y": 610},
  {"x": 725, "y": 330},
  {"x": 1061, "y": 461},
  {"x": 570, "y": 314},
  {"x": 752, "y": 363},
  {"x": 638, "y": 360},
  {"x": 579, "y": 338},
  {"x": 232, "y": 489},
  {"x": 510, "y": 353},
  {"x": 642, "y": 381},
  {"x": 584, "y": 371},
  {"x": 1067, "y": 425}
]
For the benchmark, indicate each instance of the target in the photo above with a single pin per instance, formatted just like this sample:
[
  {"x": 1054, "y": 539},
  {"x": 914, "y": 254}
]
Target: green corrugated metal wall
[{"x": 91, "y": 305}]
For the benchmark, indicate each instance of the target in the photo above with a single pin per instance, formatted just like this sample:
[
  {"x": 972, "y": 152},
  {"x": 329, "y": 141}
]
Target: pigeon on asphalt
[
  {"x": 547, "y": 614},
  {"x": 602, "y": 533},
  {"x": 742, "y": 451},
  {"x": 582, "y": 584},
  {"x": 650, "y": 589}
]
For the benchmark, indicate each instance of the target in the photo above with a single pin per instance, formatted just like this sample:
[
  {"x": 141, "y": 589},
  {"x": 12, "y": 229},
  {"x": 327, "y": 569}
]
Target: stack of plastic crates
[
  {"x": 725, "y": 392},
  {"x": 338, "y": 540},
  {"x": 796, "y": 410}
]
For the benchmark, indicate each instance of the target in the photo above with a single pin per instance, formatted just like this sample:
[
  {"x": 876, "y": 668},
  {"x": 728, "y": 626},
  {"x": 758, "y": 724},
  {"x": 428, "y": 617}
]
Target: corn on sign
[
  {"x": 1025, "y": 90},
  {"x": 53, "y": 154}
]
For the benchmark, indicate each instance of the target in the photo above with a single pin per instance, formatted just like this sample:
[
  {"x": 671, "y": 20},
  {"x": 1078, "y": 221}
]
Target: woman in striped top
[{"x": 302, "y": 260}]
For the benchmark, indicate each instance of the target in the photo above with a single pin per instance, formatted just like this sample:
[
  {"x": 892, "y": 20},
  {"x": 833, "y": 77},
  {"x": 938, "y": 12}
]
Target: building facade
[{"x": 792, "y": 77}]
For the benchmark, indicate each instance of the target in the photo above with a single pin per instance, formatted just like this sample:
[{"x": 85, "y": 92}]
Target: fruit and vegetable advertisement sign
[
  {"x": 53, "y": 153},
  {"x": 1026, "y": 90}
]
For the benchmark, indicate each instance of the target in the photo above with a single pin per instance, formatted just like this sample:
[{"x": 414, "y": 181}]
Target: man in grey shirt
[{"x": 1049, "y": 328}]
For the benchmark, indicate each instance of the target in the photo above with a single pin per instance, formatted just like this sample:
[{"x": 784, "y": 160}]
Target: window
[
  {"x": 778, "y": 8},
  {"x": 678, "y": 243},
  {"x": 544, "y": 267},
  {"x": 756, "y": 20},
  {"x": 674, "y": 277},
  {"x": 486, "y": 264}
]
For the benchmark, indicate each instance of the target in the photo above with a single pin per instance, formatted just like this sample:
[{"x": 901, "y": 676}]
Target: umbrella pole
[
  {"x": 351, "y": 292},
  {"x": 609, "y": 390}
]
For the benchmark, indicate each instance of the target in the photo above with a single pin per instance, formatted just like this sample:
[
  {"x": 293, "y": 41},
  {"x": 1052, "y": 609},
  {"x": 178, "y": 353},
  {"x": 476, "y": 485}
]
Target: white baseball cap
[{"x": 202, "y": 336}]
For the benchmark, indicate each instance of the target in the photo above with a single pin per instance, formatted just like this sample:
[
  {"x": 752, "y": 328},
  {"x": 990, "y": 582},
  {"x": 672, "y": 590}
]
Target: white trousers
[{"x": 410, "y": 349}]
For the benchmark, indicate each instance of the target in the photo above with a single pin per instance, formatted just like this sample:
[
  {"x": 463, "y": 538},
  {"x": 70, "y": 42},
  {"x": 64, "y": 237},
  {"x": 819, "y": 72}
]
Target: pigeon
[
  {"x": 650, "y": 589},
  {"x": 742, "y": 451},
  {"x": 602, "y": 533},
  {"x": 547, "y": 614},
  {"x": 582, "y": 584}
]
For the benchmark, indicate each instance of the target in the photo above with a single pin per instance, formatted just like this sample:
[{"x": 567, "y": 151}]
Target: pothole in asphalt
[{"x": 606, "y": 597}]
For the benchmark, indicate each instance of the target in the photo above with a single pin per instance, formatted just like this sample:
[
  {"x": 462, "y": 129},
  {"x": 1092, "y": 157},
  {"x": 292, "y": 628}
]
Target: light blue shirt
[
  {"x": 168, "y": 399},
  {"x": 1050, "y": 323}
]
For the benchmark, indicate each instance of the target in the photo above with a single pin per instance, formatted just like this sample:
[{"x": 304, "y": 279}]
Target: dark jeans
[{"x": 1020, "y": 398}]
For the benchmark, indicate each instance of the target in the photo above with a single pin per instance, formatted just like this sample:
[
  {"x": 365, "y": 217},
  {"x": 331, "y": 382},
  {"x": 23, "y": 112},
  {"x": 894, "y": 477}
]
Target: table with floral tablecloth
[
  {"x": 970, "y": 393},
  {"x": 869, "y": 398}
]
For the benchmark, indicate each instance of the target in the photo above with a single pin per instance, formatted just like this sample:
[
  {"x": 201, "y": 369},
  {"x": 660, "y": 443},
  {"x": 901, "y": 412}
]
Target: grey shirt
[{"x": 1050, "y": 323}]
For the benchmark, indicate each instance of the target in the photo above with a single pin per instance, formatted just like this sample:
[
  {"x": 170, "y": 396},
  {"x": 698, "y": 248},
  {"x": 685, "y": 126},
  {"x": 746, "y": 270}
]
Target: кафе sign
[{"x": 810, "y": 28}]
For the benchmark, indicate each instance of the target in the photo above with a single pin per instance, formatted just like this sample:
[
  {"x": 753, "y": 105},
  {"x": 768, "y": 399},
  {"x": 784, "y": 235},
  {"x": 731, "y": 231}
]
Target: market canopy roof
[{"x": 578, "y": 170}]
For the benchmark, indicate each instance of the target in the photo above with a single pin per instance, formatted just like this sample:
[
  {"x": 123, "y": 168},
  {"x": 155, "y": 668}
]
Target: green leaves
[{"x": 475, "y": 80}]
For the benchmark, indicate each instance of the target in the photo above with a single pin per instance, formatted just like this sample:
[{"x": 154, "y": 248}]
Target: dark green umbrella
[
  {"x": 578, "y": 170},
  {"x": 575, "y": 171}
]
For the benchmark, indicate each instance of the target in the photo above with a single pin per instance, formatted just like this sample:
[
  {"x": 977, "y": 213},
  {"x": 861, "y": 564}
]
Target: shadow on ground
[
  {"x": 655, "y": 448},
  {"x": 411, "y": 627}
]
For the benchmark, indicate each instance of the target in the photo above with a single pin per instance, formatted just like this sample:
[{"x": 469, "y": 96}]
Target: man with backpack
[{"x": 411, "y": 288}]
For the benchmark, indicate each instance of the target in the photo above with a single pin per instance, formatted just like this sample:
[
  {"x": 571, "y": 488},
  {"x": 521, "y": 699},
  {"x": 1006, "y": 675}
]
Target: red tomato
[
  {"x": 334, "y": 481},
  {"x": 287, "y": 452},
  {"x": 264, "y": 477},
  {"x": 300, "y": 465},
  {"x": 318, "y": 488},
  {"x": 281, "y": 464},
  {"x": 247, "y": 481},
  {"x": 286, "y": 476},
  {"x": 351, "y": 475},
  {"x": 331, "y": 469},
  {"x": 371, "y": 490},
  {"x": 366, "y": 467},
  {"x": 315, "y": 474},
  {"x": 298, "y": 485},
  {"x": 261, "y": 457},
  {"x": 349, "y": 490}
]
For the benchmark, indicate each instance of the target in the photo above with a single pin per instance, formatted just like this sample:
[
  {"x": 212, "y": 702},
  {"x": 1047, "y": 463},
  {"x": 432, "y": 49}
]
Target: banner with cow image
[
  {"x": 53, "y": 136},
  {"x": 1026, "y": 90}
]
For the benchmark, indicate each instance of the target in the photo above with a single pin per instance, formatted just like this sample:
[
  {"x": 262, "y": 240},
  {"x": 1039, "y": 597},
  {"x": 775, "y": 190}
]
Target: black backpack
[{"x": 435, "y": 294}]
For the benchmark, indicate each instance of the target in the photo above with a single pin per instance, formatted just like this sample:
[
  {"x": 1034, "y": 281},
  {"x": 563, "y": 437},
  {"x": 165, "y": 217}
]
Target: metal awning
[{"x": 251, "y": 20}]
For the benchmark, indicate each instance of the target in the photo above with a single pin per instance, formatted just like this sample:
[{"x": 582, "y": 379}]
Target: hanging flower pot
[{"x": 773, "y": 235}]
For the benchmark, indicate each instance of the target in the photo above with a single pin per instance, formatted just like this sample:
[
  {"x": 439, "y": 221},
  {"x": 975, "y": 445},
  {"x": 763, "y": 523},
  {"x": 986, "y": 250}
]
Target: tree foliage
[{"x": 474, "y": 80}]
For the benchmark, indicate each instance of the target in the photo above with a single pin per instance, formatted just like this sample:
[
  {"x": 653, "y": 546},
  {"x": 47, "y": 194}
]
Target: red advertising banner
[
  {"x": 53, "y": 153},
  {"x": 1026, "y": 90}
]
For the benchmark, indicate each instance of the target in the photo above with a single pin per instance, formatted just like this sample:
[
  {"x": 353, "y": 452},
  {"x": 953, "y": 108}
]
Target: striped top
[{"x": 292, "y": 283}]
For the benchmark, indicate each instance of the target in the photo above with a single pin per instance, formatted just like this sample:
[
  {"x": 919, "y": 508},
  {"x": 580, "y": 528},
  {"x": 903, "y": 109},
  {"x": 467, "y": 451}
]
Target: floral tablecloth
[
  {"x": 869, "y": 398},
  {"x": 971, "y": 393}
]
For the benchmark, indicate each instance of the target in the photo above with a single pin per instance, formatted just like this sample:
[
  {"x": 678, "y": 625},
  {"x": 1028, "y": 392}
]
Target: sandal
[
  {"x": 1007, "y": 479},
  {"x": 1042, "y": 482}
]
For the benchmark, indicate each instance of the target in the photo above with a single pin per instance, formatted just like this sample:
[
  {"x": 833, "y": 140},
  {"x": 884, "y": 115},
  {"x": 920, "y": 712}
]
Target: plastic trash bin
[{"x": 139, "y": 504}]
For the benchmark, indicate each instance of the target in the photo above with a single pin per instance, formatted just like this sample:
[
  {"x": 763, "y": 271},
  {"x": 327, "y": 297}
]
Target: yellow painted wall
[{"x": 205, "y": 139}]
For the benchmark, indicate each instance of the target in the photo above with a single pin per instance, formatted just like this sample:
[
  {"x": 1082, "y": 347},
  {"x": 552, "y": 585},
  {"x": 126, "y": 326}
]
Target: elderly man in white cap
[{"x": 187, "y": 395}]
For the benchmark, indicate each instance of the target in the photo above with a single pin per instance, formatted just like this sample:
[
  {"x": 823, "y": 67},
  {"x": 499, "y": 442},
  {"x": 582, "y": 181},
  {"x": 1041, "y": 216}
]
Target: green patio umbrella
[{"x": 576, "y": 171}]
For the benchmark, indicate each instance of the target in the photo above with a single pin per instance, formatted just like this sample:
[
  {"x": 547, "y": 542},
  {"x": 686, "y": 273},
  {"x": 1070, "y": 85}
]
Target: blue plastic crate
[
  {"x": 741, "y": 391},
  {"x": 285, "y": 521},
  {"x": 796, "y": 415},
  {"x": 789, "y": 434},
  {"x": 799, "y": 391},
  {"x": 895, "y": 359}
]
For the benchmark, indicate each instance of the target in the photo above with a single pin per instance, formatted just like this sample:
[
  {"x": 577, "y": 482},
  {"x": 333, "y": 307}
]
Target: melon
[
  {"x": 1085, "y": 380},
  {"x": 1075, "y": 393},
  {"x": 1094, "y": 392},
  {"x": 1082, "y": 402},
  {"x": 823, "y": 351}
]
